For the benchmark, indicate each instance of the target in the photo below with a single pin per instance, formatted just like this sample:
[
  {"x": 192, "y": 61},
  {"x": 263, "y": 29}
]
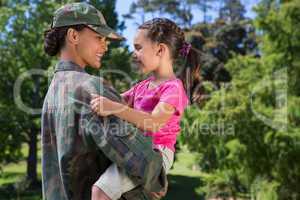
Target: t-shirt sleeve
[
  {"x": 128, "y": 96},
  {"x": 174, "y": 94}
]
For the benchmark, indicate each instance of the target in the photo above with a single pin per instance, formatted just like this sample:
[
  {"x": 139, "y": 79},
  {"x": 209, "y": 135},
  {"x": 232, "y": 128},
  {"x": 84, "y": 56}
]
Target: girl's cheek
[
  {"x": 141, "y": 52},
  {"x": 140, "y": 55}
]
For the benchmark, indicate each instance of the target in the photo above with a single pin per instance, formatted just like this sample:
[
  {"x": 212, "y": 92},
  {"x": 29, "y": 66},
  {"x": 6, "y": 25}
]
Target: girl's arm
[
  {"x": 145, "y": 121},
  {"x": 127, "y": 97},
  {"x": 125, "y": 100}
]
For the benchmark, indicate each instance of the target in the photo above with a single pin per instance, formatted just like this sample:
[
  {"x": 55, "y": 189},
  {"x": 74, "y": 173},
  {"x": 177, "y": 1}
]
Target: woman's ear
[{"x": 72, "y": 36}]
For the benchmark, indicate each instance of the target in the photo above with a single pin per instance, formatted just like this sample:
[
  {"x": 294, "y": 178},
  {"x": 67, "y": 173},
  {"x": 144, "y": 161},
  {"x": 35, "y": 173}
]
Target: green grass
[
  {"x": 183, "y": 181},
  {"x": 13, "y": 175}
]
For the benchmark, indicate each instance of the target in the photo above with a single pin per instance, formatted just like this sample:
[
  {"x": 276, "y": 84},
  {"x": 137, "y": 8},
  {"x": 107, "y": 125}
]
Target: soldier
[{"x": 77, "y": 145}]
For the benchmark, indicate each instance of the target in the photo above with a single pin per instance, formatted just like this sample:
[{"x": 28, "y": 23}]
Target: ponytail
[{"x": 190, "y": 73}]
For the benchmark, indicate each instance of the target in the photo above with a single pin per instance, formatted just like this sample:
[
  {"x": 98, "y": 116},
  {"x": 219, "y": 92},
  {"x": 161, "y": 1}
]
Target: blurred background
[{"x": 241, "y": 141}]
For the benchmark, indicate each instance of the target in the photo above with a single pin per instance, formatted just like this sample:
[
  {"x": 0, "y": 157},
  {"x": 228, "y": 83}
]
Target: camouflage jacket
[{"x": 77, "y": 145}]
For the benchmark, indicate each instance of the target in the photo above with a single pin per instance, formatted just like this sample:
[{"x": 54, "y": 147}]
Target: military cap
[{"x": 83, "y": 13}]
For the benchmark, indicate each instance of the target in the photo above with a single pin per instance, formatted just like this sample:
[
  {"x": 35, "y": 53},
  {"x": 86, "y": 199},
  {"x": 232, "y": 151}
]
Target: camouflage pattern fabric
[
  {"x": 83, "y": 13},
  {"x": 77, "y": 145}
]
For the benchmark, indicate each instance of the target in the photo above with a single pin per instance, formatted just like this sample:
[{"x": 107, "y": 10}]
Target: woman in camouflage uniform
[{"x": 77, "y": 145}]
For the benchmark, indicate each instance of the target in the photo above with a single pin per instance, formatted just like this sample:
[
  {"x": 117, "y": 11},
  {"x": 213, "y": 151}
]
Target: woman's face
[
  {"x": 91, "y": 47},
  {"x": 145, "y": 52}
]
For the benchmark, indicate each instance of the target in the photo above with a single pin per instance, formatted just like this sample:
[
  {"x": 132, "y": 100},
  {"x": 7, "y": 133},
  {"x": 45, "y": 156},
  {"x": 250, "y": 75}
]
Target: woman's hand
[
  {"x": 161, "y": 194},
  {"x": 102, "y": 105}
]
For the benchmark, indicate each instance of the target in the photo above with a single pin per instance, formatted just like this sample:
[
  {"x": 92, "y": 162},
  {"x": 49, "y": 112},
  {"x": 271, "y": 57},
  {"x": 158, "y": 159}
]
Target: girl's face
[
  {"x": 146, "y": 52},
  {"x": 91, "y": 47}
]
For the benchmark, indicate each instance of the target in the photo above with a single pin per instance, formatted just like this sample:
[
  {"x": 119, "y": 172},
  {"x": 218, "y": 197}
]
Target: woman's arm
[{"x": 145, "y": 121}]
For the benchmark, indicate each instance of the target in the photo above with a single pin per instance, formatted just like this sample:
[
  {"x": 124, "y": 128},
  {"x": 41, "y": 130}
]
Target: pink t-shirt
[{"x": 140, "y": 97}]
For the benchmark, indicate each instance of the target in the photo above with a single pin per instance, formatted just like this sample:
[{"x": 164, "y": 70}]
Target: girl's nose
[{"x": 134, "y": 56}]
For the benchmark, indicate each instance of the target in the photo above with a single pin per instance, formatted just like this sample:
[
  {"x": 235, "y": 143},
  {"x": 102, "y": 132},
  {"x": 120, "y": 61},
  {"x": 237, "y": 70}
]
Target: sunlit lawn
[{"x": 183, "y": 181}]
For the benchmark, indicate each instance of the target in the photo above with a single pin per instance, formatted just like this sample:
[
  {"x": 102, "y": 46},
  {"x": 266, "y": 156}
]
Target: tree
[
  {"x": 180, "y": 11},
  {"x": 248, "y": 133},
  {"x": 205, "y": 6},
  {"x": 21, "y": 50},
  {"x": 218, "y": 42},
  {"x": 232, "y": 11},
  {"x": 22, "y": 26}
]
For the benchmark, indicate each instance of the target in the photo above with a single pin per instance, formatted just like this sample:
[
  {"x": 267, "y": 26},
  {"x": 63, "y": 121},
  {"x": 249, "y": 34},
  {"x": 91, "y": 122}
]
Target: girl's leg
[
  {"x": 167, "y": 157},
  {"x": 112, "y": 183}
]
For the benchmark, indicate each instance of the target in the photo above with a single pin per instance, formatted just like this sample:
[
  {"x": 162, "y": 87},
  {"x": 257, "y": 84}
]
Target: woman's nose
[{"x": 105, "y": 46}]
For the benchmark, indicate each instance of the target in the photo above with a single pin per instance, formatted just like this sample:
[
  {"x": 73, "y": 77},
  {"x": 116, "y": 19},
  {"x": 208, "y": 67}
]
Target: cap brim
[{"x": 107, "y": 32}]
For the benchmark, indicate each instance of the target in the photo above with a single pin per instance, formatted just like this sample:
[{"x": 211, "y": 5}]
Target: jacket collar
[{"x": 66, "y": 65}]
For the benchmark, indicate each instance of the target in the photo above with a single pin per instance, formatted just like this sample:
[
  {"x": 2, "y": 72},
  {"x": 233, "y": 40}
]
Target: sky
[{"x": 122, "y": 7}]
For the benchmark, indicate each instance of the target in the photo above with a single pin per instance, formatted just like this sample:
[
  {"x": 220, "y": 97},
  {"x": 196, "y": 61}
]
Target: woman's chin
[{"x": 96, "y": 65}]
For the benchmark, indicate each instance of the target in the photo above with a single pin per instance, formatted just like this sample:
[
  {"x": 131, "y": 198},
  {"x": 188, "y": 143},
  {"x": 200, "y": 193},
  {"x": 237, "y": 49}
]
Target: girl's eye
[{"x": 137, "y": 47}]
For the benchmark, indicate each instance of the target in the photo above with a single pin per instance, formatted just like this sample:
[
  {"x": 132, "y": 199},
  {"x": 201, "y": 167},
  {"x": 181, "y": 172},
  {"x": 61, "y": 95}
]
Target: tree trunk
[
  {"x": 32, "y": 154},
  {"x": 32, "y": 158}
]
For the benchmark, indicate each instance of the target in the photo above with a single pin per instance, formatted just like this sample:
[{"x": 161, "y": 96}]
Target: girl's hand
[{"x": 102, "y": 105}]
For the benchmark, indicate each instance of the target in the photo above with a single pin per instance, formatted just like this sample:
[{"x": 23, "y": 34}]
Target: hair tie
[{"x": 185, "y": 49}]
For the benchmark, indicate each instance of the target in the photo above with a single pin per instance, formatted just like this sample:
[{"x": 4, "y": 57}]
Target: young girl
[{"x": 154, "y": 105}]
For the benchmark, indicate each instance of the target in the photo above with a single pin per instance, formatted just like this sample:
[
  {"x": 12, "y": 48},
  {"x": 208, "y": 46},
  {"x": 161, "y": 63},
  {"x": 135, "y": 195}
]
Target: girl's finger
[
  {"x": 94, "y": 101},
  {"x": 94, "y": 107},
  {"x": 95, "y": 98},
  {"x": 94, "y": 95}
]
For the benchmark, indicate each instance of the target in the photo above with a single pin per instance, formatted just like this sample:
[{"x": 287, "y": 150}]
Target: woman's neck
[{"x": 70, "y": 56}]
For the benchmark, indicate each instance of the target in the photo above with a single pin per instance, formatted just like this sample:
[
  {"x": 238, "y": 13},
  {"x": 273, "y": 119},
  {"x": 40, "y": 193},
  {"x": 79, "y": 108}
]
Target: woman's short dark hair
[{"x": 54, "y": 39}]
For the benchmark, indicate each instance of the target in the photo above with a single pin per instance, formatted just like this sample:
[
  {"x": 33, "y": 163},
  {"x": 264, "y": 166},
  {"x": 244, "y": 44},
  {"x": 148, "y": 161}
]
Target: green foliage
[
  {"x": 232, "y": 11},
  {"x": 21, "y": 49},
  {"x": 217, "y": 43},
  {"x": 263, "y": 189},
  {"x": 255, "y": 150},
  {"x": 22, "y": 26},
  {"x": 10, "y": 136},
  {"x": 173, "y": 7},
  {"x": 180, "y": 11}
]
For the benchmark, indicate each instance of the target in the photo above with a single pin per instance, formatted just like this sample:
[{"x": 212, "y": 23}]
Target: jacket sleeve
[{"x": 120, "y": 141}]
